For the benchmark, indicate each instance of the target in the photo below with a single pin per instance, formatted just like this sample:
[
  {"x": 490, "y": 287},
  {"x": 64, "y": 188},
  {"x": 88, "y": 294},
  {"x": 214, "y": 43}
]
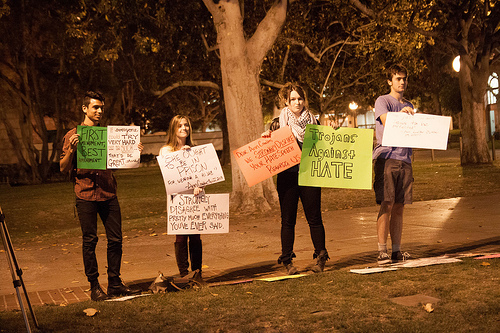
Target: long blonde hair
[{"x": 172, "y": 132}]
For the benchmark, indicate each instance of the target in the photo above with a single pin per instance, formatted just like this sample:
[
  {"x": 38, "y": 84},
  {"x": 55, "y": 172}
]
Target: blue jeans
[
  {"x": 289, "y": 193},
  {"x": 110, "y": 214}
]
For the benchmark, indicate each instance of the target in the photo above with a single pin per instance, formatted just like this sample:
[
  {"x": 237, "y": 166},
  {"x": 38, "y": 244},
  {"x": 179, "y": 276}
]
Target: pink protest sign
[{"x": 266, "y": 157}]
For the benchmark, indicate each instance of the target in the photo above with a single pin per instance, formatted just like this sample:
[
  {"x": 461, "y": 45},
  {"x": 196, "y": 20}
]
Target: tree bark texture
[
  {"x": 241, "y": 61},
  {"x": 473, "y": 86}
]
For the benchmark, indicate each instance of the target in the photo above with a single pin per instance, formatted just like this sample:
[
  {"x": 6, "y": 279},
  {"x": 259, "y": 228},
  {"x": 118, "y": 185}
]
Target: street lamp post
[{"x": 354, "y": 106}]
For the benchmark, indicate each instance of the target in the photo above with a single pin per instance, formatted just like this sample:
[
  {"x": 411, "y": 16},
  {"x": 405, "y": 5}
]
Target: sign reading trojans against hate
[
  {"x": 185, "y": 169},
  {"x": 266, "y": 157},
  {"x": 340, "y": 158},
  {"x": 123, "y": 147},
  {"x": 91, "y": 151},
  {"x": 202, "y": 214},
  {"x": 416, "y": 131}
]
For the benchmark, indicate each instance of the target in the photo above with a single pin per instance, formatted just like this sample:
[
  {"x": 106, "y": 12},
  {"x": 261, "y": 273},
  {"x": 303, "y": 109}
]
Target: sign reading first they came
[{"x": 340, "y": 158}]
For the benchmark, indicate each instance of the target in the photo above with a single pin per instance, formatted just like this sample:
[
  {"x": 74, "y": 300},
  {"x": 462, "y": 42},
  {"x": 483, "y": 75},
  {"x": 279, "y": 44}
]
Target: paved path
[{"x": 53, "y": 274}]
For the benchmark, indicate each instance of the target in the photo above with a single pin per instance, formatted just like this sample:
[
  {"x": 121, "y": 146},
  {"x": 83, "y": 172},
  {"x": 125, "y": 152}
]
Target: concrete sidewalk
[{"x": 53, "y": 274}]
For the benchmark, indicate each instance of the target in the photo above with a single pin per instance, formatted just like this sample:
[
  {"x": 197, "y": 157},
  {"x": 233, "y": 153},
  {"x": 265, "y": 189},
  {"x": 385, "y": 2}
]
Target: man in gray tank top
[{"x": 393, "y": 183}]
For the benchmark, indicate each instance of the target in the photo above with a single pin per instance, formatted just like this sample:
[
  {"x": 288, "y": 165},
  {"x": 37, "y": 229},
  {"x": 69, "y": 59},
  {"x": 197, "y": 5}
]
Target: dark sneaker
[
  {"x": 291, "y": 269},
  {"x": 383, "y": 258},
  {"x": 399, "y": 256},
  {"x": 121, "y": 290},
  {"x": 320, "y": 262},
  {"x": 97, "y": 294}
]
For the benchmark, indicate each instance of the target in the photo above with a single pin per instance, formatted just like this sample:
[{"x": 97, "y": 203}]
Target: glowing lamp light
[
  {"x": 456, "y": 64},
  {"x": 353, "y": 106}
]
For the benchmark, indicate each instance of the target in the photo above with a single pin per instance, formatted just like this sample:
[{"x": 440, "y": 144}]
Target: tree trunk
[
  {"x": 473, "y": 86},
  {"x": 241, "y": 61},
  {"x": 436, "y": 104},
  {"x": 14, "y": 141},
  {"x": 226, "y": 150}
]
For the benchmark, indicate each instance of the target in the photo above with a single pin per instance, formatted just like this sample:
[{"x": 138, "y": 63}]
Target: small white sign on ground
[{"x": 407, "y": 264}]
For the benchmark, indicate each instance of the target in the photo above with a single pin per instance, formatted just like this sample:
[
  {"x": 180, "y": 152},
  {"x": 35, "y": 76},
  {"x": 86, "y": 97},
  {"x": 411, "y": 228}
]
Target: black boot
[
  {"x": 96, "y": 292},
  {"x": 181, "y": 256},
  {"x": 117, "y": 288}
]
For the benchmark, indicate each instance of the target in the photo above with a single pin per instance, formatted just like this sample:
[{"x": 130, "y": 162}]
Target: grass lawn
[{"x": 335, "y": 301}]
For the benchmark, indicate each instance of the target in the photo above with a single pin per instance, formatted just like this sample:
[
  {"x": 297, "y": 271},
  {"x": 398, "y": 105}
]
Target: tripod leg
[{"x": 14, "y": 268}]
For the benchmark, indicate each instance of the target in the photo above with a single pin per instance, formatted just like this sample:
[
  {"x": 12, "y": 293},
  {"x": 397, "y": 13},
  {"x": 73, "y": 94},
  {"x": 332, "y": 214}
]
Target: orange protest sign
[{"x": 266, "y": 157}]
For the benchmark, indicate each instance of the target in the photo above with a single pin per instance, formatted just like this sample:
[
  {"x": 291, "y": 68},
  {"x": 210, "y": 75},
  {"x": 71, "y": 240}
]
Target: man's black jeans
[{"x": 110, "y": 214}]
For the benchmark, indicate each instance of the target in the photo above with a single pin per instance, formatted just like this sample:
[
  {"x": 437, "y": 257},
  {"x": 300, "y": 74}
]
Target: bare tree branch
[
  {"x": 207, "y": 47},
  {"x": 285, "y": 61},
  {"x": 267, "y": 31},
  {"x": 362, "y": 8},
  {"x": 333, "y": 64},
  {"x": 206, "y": 84},
  {"x": 314, "y": 56},
  {"x": 271, "y": 84}
]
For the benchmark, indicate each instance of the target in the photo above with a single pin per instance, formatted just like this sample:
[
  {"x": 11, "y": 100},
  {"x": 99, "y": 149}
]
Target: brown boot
[{"x": 321, "y": 259}]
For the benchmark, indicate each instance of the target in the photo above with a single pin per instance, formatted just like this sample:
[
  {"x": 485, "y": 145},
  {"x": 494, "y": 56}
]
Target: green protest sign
[
  {"x": 92, "y": 150},
  {"x": 340, "y": 158}
]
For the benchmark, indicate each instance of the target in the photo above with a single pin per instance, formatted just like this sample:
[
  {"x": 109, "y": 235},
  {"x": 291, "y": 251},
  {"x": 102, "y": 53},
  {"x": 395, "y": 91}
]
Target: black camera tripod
[{"x": 16, "y": 272}]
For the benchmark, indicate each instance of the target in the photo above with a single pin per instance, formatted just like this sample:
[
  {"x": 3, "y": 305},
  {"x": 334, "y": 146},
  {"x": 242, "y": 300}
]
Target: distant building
[
  {"x": 362, "y": 120},
  {"x": 153, "y": 142},
  {"x": 492, "y": 110}
]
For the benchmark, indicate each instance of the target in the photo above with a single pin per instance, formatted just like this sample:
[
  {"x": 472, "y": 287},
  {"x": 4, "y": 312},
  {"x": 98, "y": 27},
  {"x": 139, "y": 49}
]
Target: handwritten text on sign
[
  {"x": 416, "y": 131},
  {"x": 183, "y": 170},
  {"x": 266, "y": 157},
  {"x": 123, "y": 147},
  {"x": 339, "y": 158},
  {"x": 91, "y": 151},
  {"x": 202, "y": 214}
]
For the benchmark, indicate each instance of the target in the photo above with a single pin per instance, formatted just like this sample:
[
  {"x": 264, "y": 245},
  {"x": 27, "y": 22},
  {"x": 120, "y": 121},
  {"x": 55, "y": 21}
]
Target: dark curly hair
[
  {"x": 394, "y": 70},
  {"x": 91, "y": 94},
  {"x": 286, "y": 90}
]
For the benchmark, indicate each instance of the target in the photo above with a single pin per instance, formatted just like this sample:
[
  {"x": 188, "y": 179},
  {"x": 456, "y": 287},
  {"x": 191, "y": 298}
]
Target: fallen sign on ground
[
  {"x": 279, "y": 278},
  {"x": 489, "y": 256},
  {"x": 126, "y": 298},
  {"x": 408, "y": 264},
  {"x": 372, "y": 270}
]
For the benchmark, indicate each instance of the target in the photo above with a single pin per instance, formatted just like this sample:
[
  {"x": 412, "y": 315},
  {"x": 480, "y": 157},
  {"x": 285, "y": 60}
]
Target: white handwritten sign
[
  {"x": 416, "y": 131},
  {"x": 183, "y": 170},
  {"x": 123, "y": 147},
  {"x": 202, "y": 214}
]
